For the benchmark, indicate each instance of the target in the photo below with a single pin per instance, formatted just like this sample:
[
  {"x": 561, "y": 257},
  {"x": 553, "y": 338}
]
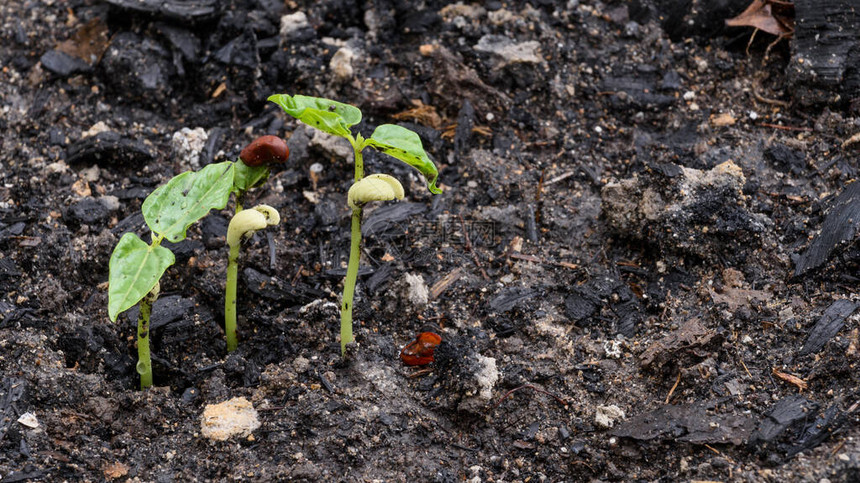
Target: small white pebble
[
  {"x": 689, "y": 95},
  {"x": 490, "y": 116},
  {"x": 753, "y": 115}
]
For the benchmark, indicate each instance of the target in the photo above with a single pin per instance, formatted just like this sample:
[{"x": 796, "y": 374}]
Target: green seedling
[
  {"x": 337, "y": 118},
  {"x": 136, "y": 267},
  {"x": 243, "y": 225}
]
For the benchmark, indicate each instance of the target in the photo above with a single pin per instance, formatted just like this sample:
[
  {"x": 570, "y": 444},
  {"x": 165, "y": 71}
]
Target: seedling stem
[
  {"x": 230, "y": 298},
  {"x": 346, "y": 336},
  {"x": 144, "y": 361}
]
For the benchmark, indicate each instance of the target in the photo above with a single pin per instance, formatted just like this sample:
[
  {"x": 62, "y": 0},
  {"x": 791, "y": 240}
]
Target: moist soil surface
[{"x": 642, "y": 265}]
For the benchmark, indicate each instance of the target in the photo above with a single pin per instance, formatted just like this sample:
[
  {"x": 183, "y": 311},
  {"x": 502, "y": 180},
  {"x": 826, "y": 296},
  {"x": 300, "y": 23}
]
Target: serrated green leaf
[
  {"x": 188, "y": 197},
  {"x": 246, "y": 177},
  {"x": 135, "y": 267},
  {"x": 324, "y": 114},
  {"x": 405, "y": 145}
]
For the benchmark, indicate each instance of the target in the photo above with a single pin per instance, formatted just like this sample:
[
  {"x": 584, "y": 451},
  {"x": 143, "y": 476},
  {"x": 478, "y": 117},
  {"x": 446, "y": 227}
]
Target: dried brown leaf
[
  {"x": 115, "y": 470},
  {"x": 775, "y": 18}
]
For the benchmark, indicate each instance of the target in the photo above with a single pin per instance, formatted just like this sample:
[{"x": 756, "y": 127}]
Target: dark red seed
[
  {"x": 420, "y": 351},
  {"x": 265, "y": 150}
]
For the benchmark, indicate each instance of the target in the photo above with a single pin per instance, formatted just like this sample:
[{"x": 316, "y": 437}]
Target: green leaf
[
  {"x": 188, "y": 197},
  {"x": 246, "y": 177},
  {"x": 405, "y": 145},
  {"x": 324, "y": 114},
  {"x": 135, "y": 267}
]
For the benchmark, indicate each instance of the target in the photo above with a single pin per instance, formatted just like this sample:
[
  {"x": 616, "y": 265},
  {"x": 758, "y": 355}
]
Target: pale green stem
[
  {"x": 230, "y": 298},
  {"x": 346, "y": 336},
  {"x": 349, "y": 282},
  {"x": 144, "y": 361}
]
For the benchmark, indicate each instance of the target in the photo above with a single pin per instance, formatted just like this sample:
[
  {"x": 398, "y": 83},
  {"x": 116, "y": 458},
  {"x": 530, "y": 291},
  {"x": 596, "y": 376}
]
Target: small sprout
[
  {"x": 243, "y": 225},
  {"x": 136, "y": 267},
  {"x": 265, "y": 150},
  {"x": 420, "y": 351},
  {"x": 376, "y": 187},
  {"x": 314, "y": 172},
  {"x": 398, "y": 142}
]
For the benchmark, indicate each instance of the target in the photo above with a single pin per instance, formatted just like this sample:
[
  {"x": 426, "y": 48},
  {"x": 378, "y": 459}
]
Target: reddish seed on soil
[
  {"x": 265, "y": 150},
  {"x": 419, "y": 352}
]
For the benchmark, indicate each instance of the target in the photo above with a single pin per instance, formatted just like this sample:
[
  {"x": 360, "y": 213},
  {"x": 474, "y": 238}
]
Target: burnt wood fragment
[
  {"x": 826, "y": 60},
  {"x": 839, "y": 229},
  {"x": 828, "y": 325},
  {"x": 179, "y": 10},
  {"x": 785, "y": 413},
  {"x": 109, "y": 148}
]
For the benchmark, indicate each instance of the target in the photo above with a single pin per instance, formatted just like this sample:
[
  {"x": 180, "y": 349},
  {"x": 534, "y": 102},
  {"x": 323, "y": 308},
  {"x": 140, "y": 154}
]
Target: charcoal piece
[
  {"x": 138, "y": 68},
  {"x": 56, "y": 137},
  {"x": 135, "y": 193},
  {"x": 241, "y": 51},
  {"x": 329, "y": 211},
  {"x": 531, "y": 224},
  {"x": 211, "y": 146},
  {"x": 693, "y": 423},
  {"x": 14, "y": 229},
  {"x": 580, "y": 306},
  {"x": 184, "y": 249},
  {"x": 30, "y": 473},
  {"x": 109, "y": 148},
  {"x": 275, "y": 289},
  {"x": 390, "y": 216},
  {"x": 63, "y": 64},
  {"x": 671, "y": 81},
  {"x": 826, "y": 48},
  {"x": 785, "y": 159},
  {"x": 193, "y": 11},
  {"x": 838, "y": 230},
  {"x": 628, "y": 323},
  {"x": 11, "y": 390},
  {"x": 682, "y": 19},
  {"x": 699, "y": 212},
  {"x": 134, "y": 223},
  {"x": 510, "y": 297},
  {"x": 818, "y": 430},
  {"x": 8, "y": 269},
  {"x": 465, "y": 123},
  {"x": 786, "y": 412},
  {"x": 419, "y": 21},
  {"x": 380, "y": 278},
  {"x": 89, "y": 211},
  {"x": 639, "y": 90},
  {"x": 182, "y": 40},
  {"x": 828, "y": 325},
  {"x": 166, "y": 310},
  {"x": 214, "y": 230}
]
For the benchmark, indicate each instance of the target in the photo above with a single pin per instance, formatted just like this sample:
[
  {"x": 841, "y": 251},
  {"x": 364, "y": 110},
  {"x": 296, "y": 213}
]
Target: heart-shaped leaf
[
  {"x": 246, "y": 177},
  {"x": 405, "y": 145},
  {"x": 188, "y": 197},
  {"x": 324, "y": 114},
  {"x": 135, "y": 267}
]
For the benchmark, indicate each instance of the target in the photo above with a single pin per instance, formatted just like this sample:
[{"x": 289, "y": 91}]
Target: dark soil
[{"x": 627, "y": 267}]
